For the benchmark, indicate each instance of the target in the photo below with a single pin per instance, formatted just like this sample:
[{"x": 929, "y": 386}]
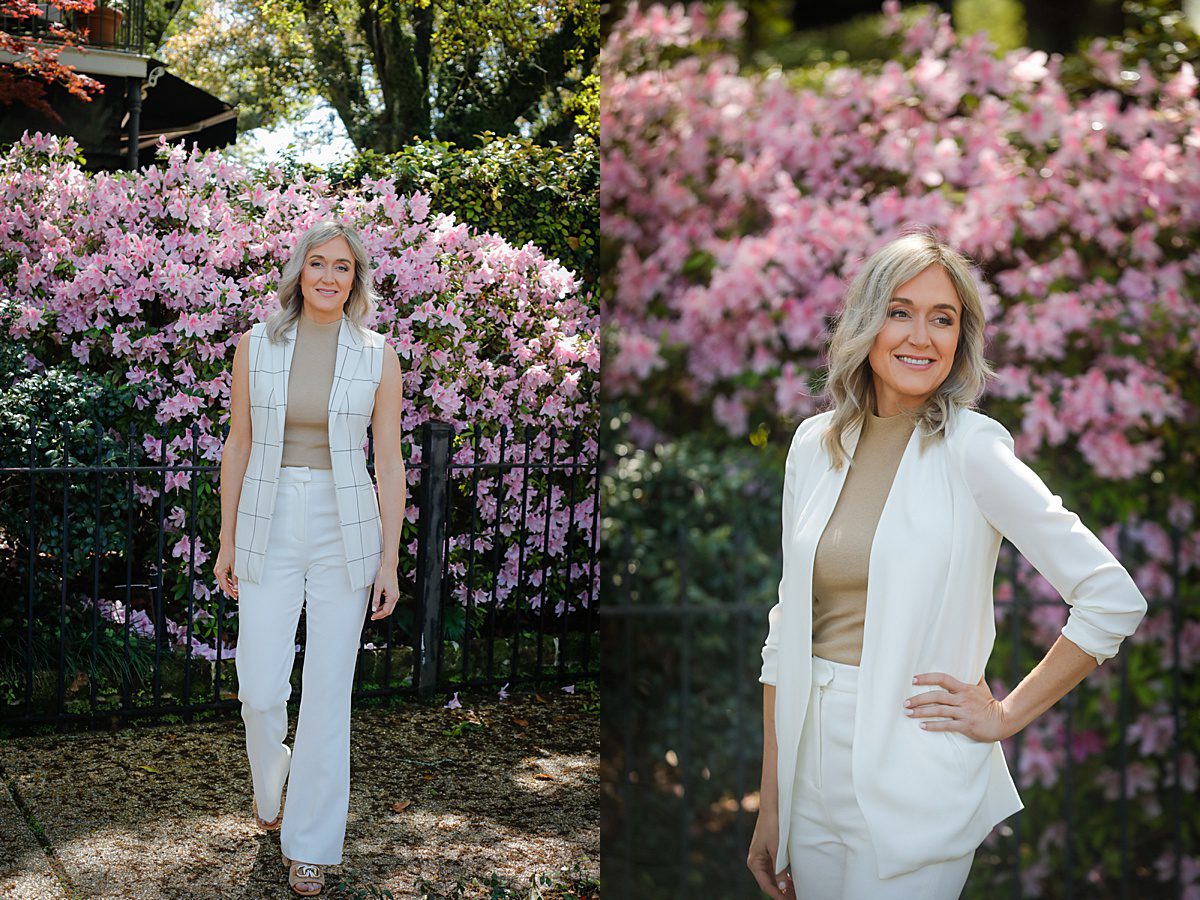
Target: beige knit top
[
  {"x": 306, "y": 422},
  {"x": 840, "y": 564}
]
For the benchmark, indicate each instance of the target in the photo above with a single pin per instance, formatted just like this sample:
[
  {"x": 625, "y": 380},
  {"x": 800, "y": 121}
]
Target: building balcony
[
  {"x": 114, "y": 25},
  {"x": 140, "y": 101}
]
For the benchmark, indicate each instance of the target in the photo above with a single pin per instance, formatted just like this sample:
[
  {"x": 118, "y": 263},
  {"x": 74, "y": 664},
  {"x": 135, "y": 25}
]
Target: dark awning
[
  {"x": 177, "y": 109},
  {"x": 170, "y": 107}
]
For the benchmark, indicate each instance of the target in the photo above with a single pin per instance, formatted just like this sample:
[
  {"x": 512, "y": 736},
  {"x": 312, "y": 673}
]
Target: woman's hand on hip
[
  {"x": 385, "y": 593},
  {"x": 971, "y": 708},
  {"x": 761, "y": 859},
  {"x": 223, "y": 569}
]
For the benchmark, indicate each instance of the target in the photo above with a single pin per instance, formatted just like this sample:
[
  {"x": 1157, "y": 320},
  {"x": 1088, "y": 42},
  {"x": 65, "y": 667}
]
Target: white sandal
[{"x": 304, "y": 873}]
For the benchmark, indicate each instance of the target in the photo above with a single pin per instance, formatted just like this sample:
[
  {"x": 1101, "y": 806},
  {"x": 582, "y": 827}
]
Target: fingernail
[{"x": 783, "y": 885}]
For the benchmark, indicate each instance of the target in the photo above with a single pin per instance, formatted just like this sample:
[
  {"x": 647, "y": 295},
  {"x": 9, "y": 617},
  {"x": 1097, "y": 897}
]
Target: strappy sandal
[
  {"x": 304, "y": 873},
  {"x": 274, "y": 824}
]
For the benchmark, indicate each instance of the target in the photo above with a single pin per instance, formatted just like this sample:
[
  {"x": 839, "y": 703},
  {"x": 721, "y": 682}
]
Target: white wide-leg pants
[
  {"x": 829, "y": 848},
  {"x": 305, "y": 563}
]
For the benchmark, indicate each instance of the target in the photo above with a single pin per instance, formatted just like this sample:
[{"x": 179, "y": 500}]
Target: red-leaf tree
[{"x": 24, "y": 81}]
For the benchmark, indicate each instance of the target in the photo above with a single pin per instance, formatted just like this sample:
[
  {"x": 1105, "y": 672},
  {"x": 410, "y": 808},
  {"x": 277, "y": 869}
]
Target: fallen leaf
[
  {"x": 401, "y": 806},
  {"x": 524, "y": 723},
  {"x": 150, "y": 769},
  {"x": 542, "y": 776}
]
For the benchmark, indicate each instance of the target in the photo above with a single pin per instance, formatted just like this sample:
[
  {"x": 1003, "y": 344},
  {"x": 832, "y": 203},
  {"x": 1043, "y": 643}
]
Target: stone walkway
[{"x": 444, "y": 803}]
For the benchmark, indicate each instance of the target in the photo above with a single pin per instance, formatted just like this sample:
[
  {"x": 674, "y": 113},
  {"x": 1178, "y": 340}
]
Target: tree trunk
[
  {"x": 338, "y": 72},
  {"x": 402, "y": 80},
  {"x": 525, "y": 85},
  {"x": 1057, "y": 27}
]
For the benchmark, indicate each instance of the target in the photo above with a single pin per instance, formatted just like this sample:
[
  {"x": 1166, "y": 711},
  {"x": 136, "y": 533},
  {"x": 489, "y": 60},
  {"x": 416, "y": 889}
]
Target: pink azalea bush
[
  {"x": 737, "y": 205},
  {"x": 149, "y": 277}
]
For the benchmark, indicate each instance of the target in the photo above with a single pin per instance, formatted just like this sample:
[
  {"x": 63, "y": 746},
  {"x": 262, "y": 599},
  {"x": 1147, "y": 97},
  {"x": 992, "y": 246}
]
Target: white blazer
[
  {"x": 929, "y": 796},
  {"x": 356, "y": 375}
]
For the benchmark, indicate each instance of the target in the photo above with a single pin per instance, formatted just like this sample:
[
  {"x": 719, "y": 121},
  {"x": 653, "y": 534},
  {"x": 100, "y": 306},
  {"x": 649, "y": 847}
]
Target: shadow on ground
[{"x": 510, "y": 794}]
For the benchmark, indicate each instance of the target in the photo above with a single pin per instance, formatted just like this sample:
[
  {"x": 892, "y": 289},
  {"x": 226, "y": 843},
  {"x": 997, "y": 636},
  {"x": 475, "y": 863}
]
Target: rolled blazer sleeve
[
  {"x": 1106, "y": 605},
  {"x": 770, "y": 650}
]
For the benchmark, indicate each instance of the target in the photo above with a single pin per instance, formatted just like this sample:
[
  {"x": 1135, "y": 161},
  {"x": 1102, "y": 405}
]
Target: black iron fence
[
  {"x": 1103, "y": 774},
  {"x": 101, "y": 620}
]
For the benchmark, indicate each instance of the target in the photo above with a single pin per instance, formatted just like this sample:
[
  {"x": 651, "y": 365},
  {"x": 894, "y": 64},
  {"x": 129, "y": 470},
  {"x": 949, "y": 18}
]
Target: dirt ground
[{"x": 496, "y": 799}]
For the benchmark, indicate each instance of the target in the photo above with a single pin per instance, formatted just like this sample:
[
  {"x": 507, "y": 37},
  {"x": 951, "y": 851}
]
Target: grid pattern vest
[{"x": 356, "y": 377}]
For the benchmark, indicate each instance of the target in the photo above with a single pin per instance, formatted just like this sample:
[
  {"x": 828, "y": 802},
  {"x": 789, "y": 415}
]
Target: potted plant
[{"x": 103, "y": 23}]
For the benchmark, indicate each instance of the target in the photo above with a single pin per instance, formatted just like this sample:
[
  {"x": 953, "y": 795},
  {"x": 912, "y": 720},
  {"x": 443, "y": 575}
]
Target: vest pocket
[
  {"x": 359, "y": 399},
  {"x": 970, "y": 753},
  {"x": 261, "y": 416}
]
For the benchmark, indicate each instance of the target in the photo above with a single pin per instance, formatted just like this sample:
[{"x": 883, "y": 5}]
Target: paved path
[{"x": 164, "y": 811}]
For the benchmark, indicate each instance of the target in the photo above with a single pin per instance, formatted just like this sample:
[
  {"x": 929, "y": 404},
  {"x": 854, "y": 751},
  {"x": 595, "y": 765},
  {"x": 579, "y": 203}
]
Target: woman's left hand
[
  {"x": 385, "y": 593},
  {"x": 972, "y": 709}
]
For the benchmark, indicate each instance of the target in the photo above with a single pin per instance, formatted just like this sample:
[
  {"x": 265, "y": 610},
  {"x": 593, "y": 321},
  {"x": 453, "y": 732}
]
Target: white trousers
[
  {"x": 829, "y": 848},
  {"x": 305, "y": 564}
]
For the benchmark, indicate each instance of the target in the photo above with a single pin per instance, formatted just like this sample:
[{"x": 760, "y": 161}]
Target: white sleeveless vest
[{"x": 351, "y": 402}]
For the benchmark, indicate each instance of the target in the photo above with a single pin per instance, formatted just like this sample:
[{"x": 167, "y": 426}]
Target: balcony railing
[{"x": 113, "y": 25}]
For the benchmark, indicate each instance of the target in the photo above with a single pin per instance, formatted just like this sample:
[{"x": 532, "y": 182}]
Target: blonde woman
[
  {"x": 882, "y": 772},
  {"x": 301, "y": 526}
]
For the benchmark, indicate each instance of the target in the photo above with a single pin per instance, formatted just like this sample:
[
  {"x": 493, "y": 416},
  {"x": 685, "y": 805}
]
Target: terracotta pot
[{"x": 103, "y": 25}]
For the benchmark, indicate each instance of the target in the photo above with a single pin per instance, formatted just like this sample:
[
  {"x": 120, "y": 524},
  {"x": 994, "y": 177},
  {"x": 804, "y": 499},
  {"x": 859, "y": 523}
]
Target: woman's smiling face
[
  {"x": 914, "y": 350},
  {"x": 327, "y": 277}
]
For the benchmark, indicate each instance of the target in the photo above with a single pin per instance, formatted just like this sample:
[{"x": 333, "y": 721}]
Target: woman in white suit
[
  {"x": 301, "y": 525},
  {"x": 882, "y": 770}
]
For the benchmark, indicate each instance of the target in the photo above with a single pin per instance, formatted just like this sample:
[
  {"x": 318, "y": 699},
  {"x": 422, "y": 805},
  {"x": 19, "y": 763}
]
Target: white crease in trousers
[
  {"x": 829, "y": 848},
  {"x": 305, "y": 564}
]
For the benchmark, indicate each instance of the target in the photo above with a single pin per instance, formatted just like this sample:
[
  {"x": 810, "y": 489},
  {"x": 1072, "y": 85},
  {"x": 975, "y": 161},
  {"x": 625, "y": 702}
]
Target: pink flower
[
  {"x": 418, "y": 206},
  {"x": 1153, "y": 733},
  {"x": 1189, "y": 647},
  {"x": 1139, "y": 777},
  {"x": 31, "y": 317},
  {"x": 183, "y": 548},
  {"x": 1085, "y": 744},
  {"x": 1039, "y": 764},
  {"x": 1042, "y": 421},
  {"x": 1113, "y": 456},
  {"x": 731, "y": 413},
  {"x": 1183, "y": 85}
]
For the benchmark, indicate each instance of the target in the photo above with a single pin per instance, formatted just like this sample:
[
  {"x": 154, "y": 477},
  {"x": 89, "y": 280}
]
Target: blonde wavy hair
[
  {"x": 850, "y": 381},
  {"x": 360, "y": 305}
]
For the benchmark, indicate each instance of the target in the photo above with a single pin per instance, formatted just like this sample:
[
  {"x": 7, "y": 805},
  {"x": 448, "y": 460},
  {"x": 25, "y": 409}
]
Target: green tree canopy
[{"x": 398, "y": 70}]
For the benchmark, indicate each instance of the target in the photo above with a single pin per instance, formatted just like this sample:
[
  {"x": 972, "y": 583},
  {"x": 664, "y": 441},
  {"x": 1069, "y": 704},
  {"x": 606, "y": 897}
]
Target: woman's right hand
[
  {"x": 761, "y": 859},
  {"x": 223, "y": 569}
]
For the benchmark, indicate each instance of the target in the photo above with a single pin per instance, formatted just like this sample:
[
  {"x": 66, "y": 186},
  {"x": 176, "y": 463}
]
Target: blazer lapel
[
  {"x": 795, "y": 665},
  {"x": 281, "y": 381},
  {"x": 821, "y": 501},
  {"x": 349, "y": 351}
]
